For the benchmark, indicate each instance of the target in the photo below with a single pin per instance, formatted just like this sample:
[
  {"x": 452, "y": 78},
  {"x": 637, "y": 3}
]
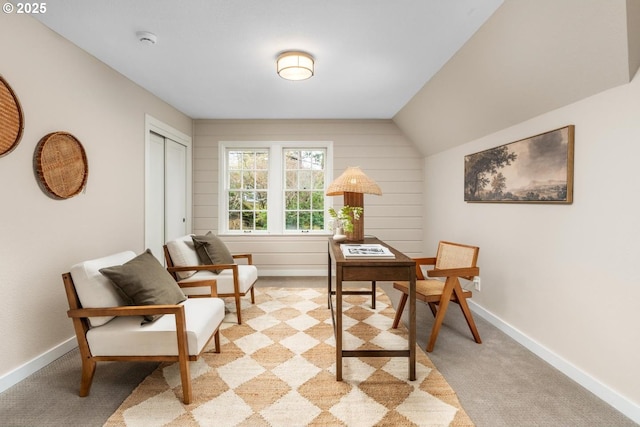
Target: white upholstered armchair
[
  {"x": 192, "y": 259},
  {"x": 124, "y": 309}
]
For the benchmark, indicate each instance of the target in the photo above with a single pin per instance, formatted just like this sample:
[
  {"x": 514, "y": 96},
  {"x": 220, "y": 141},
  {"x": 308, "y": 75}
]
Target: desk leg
[
  {"x": 412, "y": 324},
  {"x": 373, "y": 294},
  {"x": 328, "y": 279},
  {"x": 338, "y": 324}
]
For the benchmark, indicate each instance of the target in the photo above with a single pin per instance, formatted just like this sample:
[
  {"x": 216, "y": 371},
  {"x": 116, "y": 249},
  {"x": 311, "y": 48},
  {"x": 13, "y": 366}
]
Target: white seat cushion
[
  {"x": 95, "y": 290},
  {"x": 247, "y": 275},
  {"x": 125, "y": 336},
  {"x": 183, "y": 253}
]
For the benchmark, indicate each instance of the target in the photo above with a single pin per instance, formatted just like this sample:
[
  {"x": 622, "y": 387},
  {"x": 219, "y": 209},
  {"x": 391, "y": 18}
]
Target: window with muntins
[
  {"x": 248, "y": 190},
  {"x": 304, "y": 189},
  {"x": 274, "y": 187}
]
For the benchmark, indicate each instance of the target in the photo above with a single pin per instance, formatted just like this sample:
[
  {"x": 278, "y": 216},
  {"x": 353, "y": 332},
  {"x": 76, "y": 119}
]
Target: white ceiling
[{"x": 216, "y": 58}]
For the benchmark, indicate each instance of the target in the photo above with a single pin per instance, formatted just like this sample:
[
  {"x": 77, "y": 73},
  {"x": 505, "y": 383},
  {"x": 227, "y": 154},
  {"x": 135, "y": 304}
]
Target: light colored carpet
[{"x": 278, "y": 369}]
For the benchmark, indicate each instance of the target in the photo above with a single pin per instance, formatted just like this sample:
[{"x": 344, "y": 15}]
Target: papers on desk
[{"x": 366, "y": 251}]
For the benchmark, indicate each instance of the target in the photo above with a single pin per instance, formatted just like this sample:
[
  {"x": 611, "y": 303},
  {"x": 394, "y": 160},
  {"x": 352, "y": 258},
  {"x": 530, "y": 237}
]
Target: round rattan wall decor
[
  {"x": 60, "y": 165},
  {"x": 11, "y": 118}
]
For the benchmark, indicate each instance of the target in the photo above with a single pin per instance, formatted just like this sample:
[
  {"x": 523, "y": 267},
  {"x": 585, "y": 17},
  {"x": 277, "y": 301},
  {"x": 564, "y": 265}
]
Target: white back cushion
[
  {"x": 95, "y": 290},
  {"x": 183, "y": 253}
]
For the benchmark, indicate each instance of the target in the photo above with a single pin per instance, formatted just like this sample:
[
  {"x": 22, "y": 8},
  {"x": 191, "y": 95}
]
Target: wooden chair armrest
[
  {"x": 200, "y": 284},
  {"x": 425, "y": 261},
  {"x": 420, "y": 262},
  {"x": 248, "y": 257},
  {"x": 208, "y": 267},
  {"x": 128, "y": 310},
  {"x": 466, "y": 273}
]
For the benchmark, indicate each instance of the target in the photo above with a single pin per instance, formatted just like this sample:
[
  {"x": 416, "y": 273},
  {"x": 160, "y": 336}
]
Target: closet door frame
[{"x": 156, "y": 126}]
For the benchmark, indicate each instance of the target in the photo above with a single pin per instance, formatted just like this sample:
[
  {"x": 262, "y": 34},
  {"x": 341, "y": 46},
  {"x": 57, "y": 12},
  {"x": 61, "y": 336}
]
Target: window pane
[
  {"x": 262, "y": 161},
  {"x": 292, "y": 158},
  {"x": 291, "y": 200},
  {"x": 317, "y": 220},
  {"x": 261, "y": 220},
  {"x": 249, "y": 160},
  {"x": 318, "y": 180},
  {"x": 304, "y": 172},
  {"x": 234, "y": 220},
  {"x": 235, "y": 160},
  {"x": 317, "y": 201},
  {"x": 291, "y": 219},
  {"x": 304, "y": 180},
  {"x": 261, "y": 200},
  {"x": 248, "y": 221},
  {"x": 248, "y": 179},
  {"x": 262, "y": 180},
  {"x": 247, "y": 170},
  {"x": 234, "y": 200},
  {"x": 235, "y": 180},
  {"x": 291, "y": 179},
  {"x": 305, "y": 221},
  {"x": 305, "y": 200}
]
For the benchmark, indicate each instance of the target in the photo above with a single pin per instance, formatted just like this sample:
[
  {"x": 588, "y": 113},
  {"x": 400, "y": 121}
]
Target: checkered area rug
[{"x": 278, "y": 369}]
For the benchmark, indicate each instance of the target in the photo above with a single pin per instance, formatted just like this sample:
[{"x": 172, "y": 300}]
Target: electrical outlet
[{"x": 476, "y": 283}]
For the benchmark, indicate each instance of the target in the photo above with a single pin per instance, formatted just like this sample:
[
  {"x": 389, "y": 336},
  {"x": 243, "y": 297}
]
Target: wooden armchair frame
[
  {"x": 437, "y": 294},
  {"x": 171, "y": 268},
  {"x": 80, "y": 317}
]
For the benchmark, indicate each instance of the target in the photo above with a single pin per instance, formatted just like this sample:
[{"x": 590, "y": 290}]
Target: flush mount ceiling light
[{"x": 295, "y": 65}]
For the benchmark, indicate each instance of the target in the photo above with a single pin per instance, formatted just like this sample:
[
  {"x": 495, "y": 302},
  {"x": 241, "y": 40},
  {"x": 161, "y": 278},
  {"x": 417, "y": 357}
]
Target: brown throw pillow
[
  {"x": 144, "y": 281},
  {"x": 211, "y": 250}
]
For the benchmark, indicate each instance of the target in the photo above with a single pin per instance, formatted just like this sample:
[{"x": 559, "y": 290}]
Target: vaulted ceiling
[{"x": 447, "y": 72}]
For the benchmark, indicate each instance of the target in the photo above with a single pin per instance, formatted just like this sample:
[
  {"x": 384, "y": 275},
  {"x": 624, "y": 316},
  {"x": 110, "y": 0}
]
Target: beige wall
[
  {"x": 60, "y": 88},
  {"x": 564, "y": 276},
  {"x": 377, "y": 146}
]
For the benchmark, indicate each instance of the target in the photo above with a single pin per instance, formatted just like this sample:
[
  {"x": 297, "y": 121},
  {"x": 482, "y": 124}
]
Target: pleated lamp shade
[
  {"x": 353, "y": 180},
  {"x": 353, "y": 184}
]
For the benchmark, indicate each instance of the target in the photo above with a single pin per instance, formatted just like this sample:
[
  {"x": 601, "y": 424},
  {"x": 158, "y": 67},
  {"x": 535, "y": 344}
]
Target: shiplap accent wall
[{"x": 377, "y": 146}]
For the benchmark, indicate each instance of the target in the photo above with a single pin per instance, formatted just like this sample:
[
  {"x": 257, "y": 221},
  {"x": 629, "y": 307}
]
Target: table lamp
[{"x": 353, "y": 184}]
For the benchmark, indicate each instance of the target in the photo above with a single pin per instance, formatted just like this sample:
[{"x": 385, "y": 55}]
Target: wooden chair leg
[
  {"x": 216, "y": 341},
  {"x": 238, "y": 311},
  {"x": 434, "y": 308},
  {"x": 253, "y": 296},
  {"x": 88, "y": 370},
  {"x": 462, "y": 302},
  {"x": 442, "y": 310},
  {"x": 401, "y": 304},
  {"x": 183, "y": 358}
]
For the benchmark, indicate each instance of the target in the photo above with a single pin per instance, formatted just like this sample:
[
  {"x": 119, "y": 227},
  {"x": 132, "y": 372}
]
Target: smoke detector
[{"x": 146, "y": 37}]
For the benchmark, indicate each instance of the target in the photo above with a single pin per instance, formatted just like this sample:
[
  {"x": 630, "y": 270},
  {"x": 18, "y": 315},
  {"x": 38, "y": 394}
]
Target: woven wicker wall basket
[
  {"x": 11, "y": 118},
  {"x": 60, "y": 165}
]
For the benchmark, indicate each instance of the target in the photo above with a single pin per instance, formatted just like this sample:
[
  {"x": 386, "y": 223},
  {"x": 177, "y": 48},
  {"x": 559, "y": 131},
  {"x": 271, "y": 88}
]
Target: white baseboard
[
  {"x": 290, "y": 273},
  {"x": 20, "y": 373},
  {"x": 616, "y": 400}
]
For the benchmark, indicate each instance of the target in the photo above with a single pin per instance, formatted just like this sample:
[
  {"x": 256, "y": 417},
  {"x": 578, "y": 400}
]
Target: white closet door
[
  {"x": 167, "y": 185},
  {"x": 154, "y": 216},
  {"x": 175, "y": 188}
]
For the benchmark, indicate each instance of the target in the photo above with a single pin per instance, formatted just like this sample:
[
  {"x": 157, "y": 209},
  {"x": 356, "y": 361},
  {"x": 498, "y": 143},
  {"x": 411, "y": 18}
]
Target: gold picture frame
[{"x": 538, "y": 169}]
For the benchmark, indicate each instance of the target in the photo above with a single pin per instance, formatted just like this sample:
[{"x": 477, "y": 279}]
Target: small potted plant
[{"x": 344, "y": 219}]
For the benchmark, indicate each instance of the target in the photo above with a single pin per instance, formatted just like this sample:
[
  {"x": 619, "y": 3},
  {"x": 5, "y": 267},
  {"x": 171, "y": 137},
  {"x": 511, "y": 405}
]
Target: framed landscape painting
[{"x": 538, "y": 169}]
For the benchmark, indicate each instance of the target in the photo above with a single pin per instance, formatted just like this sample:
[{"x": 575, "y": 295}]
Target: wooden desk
[{"x": 400, "y": 268}]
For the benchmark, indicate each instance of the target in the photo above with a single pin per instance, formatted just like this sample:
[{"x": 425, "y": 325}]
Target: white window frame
[{"x": 275, "y": 201}]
